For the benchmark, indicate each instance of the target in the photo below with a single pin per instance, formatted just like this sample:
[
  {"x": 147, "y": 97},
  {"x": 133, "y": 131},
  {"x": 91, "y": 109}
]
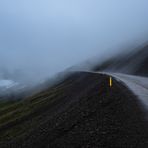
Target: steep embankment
[{"x": 81, "y": 111}]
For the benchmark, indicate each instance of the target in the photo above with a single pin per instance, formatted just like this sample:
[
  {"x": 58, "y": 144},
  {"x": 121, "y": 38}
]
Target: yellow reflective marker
[{"x": 110, "y": 82}]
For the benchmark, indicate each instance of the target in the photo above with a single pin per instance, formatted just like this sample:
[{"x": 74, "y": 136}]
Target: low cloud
[{"x": 40, "y": 38}]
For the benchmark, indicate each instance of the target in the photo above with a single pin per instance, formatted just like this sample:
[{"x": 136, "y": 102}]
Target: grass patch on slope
[{"x": 17, "y": 117}]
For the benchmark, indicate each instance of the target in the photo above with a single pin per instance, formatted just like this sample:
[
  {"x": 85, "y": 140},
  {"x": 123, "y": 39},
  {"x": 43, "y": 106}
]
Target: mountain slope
[
  {"x": 81, "y": 111},
  {"x": 135, "y": 62}
]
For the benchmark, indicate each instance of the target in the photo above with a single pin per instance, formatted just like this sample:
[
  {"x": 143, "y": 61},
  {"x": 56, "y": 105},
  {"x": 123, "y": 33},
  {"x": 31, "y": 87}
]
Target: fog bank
[{"x": 39, "y": 38}]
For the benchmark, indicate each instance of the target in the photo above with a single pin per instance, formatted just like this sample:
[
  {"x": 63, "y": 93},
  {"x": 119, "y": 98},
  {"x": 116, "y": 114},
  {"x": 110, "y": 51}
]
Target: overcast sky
[{"x": 46, "y": 36}]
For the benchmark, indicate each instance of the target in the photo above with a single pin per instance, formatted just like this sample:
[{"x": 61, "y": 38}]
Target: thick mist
[{"x": 39, "y": 38}]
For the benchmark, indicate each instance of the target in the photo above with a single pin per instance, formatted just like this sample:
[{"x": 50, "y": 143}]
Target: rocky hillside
[
  {"x": 81, "y": 111},
  {"x": 134, "y": 62}
]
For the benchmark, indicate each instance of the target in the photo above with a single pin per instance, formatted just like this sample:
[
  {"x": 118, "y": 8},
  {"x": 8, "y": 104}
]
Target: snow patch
[{"x": 7, "y": 83}]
